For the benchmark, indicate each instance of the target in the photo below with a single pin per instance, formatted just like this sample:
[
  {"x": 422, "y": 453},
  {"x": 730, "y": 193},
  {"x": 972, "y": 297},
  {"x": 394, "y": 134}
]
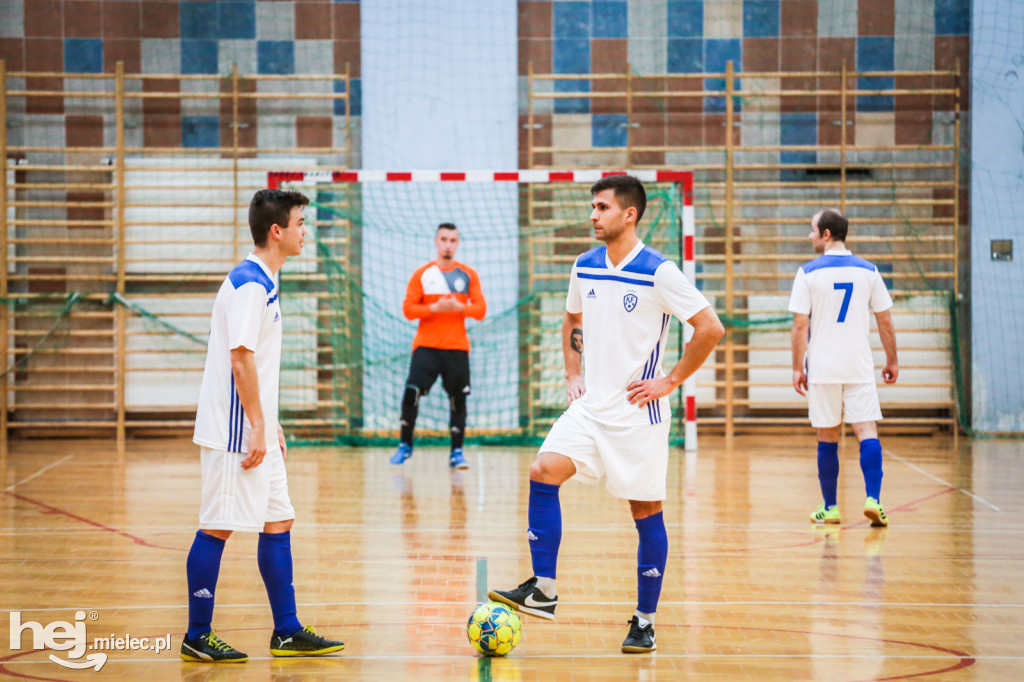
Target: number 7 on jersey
[{"x": 847, "y": 288}]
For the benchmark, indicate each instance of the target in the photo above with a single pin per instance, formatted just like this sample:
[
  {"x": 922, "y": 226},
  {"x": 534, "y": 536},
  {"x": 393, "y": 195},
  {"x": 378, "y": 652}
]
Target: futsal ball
[{"x": 494, "y": 629}]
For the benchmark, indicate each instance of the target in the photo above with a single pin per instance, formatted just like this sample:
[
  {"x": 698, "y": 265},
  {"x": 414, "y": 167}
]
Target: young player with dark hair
[{"x": 244, "y": 482}]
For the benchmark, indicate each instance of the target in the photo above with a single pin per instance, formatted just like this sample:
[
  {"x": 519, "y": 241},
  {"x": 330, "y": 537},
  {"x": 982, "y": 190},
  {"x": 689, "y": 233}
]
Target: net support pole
[
  {"x": 119, "y": 221},
  {"x": 690, "y": 271},
  {"x": 6, "y": 309}
]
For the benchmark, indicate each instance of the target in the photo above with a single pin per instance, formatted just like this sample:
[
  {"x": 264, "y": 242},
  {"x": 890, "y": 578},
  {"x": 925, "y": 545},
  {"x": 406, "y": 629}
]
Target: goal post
[{"x": 347, "y": 343}]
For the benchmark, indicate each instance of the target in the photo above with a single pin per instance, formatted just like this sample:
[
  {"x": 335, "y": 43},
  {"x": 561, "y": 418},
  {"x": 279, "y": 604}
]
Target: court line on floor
[
  {"x": 38, "y": 473},
  {"x": 462, "y": 604},
  {"x": 939, "y": 480},
  {"x": 95, "y": 524},
  {"x": 524, "y": 657},
  {"x": 312, "y": 529}
]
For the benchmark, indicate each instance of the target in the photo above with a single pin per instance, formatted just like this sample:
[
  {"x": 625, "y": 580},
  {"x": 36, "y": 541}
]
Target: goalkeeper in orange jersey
[{"x": 441, "y": 295}]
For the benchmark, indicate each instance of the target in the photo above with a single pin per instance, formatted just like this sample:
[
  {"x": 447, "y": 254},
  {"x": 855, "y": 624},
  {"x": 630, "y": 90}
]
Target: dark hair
[
  {"x": 628, "y": 192},
  {"x": 269, "y": 207},
  {"x": 446, "y": 226},
  {"x": 835, "y": 222}
]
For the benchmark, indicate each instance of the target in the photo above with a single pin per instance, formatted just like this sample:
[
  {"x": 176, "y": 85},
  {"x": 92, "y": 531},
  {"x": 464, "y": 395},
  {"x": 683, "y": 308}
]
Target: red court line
[
  {"x": 906, "y": 506},
  {"x": 55, "y": 510},
  {"x": 966, "y": 660},
  {"x": 4, "y": 670}
]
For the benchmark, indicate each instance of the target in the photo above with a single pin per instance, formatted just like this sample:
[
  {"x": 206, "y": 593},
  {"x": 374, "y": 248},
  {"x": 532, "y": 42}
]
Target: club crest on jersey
[{"x": 629, "y": 301}]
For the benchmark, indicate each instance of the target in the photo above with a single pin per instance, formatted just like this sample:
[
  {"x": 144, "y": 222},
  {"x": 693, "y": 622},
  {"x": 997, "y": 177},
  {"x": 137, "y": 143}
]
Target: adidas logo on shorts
[
  {"x": 203, "y": 594},
  {"x": 530, "y": 535},
  {"x": 652, "y": 573}
]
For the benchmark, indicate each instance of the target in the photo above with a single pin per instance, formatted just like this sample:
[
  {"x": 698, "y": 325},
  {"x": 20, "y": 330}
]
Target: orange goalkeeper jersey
[{"x": 430, "y": 283}]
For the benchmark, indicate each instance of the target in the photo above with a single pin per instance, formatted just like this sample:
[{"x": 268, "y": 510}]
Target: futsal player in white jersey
[
  {"x": 621, "y": 299},
  {"x": 244, "y": 483},
  {"x": 833, "y": 298}
]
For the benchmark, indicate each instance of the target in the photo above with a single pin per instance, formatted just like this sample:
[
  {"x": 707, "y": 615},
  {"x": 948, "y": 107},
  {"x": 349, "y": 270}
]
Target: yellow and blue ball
[{"x": 494, "y": 629}]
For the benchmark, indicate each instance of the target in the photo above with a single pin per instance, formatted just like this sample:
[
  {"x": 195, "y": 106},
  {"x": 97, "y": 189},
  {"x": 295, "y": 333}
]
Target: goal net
[{"x": 347, "y": 345}]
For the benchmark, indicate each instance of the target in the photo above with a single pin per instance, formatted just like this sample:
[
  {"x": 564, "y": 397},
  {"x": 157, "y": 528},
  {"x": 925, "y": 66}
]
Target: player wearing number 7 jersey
[{"x": 832, "y": 301}]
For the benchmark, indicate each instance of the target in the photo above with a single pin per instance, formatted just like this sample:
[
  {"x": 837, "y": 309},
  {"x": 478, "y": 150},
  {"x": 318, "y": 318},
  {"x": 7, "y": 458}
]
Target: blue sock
[
  {"x": 545, "y": 532},
  {"x": 871, "y": 465},
  {"x": 274, "y": 555},
  {"x": 828, "y": 471},
  {"x": 651, "y": 557},
  {"x": 202, "y": 569}
]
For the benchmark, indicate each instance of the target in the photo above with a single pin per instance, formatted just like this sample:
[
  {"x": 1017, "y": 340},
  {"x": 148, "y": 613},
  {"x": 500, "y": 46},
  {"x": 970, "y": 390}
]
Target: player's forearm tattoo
[{"x": 576, "y": 340}]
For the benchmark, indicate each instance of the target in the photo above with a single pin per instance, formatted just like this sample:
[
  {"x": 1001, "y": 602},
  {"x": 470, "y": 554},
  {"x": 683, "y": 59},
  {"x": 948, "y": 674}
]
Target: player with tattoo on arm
[{"x": 622, "y": 297}]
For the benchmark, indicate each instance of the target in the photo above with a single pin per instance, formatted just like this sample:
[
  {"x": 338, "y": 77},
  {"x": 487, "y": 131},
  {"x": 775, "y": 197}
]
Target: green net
[{"x": 348, "y": 346}]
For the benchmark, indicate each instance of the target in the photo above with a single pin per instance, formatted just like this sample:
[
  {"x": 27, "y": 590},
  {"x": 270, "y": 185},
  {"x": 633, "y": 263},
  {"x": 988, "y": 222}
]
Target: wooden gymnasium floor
[{"x": 392, "y": 560}]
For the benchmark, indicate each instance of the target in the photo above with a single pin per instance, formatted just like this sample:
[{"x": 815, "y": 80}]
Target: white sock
[
  {"x": 547, "y": 586},
  {"x": 645, "y": 618}
]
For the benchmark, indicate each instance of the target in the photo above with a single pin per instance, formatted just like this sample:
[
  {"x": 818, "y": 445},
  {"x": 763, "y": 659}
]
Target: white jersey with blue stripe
[
  {"x": 246, "y": 314},
  {"x": 839, "y": 291},
  {"x": 627, "y": 310}
]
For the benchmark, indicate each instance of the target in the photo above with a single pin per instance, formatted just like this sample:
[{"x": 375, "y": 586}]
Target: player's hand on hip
[
  {"x": 800, "y": 381},
  {"x": 576, "y": 387},
  {"x": 890, "y": 372},
  {"x": 257, "y": 449},
  {"x": 280, "y": 441},
  {"x": 640, "y": 393}
]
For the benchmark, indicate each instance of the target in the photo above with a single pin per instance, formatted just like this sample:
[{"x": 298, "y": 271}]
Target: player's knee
[
  {"x": 552, "y": 469},
  {"x": 411, "y": 398},
  {"x": 274, "y": 527},
  {"x": 458, "y": 403},
  {"x": 217, "y": 533},
  {"x": 643, "y": 509},
  {"x": 830, "y": 434},
  {"x": 864, "y": 430}
]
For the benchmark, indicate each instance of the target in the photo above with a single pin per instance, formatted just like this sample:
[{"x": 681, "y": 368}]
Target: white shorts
[
  {"x": 634, "y": 458},
  {"x": 826, "y": 404},
  {"x": 243, "y": 499}
]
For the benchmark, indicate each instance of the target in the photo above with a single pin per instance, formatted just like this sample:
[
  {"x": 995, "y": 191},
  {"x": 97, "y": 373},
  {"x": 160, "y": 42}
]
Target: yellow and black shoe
[
  {"x": 305, "y": 642},
  {"x": 826, "y": 515},
  {"x": 873, "y": 510},
  {"x": 209, "y": 648}
]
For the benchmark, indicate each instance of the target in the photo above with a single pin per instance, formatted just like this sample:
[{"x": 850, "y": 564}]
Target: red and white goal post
[{"x": 680, "y": 177}]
